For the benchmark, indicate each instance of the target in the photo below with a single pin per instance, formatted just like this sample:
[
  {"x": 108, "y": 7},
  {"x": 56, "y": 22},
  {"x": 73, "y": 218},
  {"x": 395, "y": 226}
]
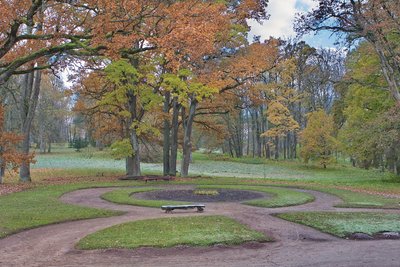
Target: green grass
[
  {"x": 361, "y": 200},
  {"x": 40, "y": 206},
  {"x": 125, "y": 196},
  {"x": 281, "y": 197},
  {"x": 215, "y": 165},
  {"x": 343, "y": 224},
  {"x": 169, "y": 232}
]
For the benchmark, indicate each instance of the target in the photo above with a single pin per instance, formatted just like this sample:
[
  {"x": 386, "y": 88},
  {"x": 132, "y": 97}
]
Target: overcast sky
[{"x": 281, "y": 21}]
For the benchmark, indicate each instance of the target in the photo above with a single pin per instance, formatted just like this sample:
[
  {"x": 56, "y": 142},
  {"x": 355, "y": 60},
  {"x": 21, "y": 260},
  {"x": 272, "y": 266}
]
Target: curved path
[{"x": 295, "y": 245}]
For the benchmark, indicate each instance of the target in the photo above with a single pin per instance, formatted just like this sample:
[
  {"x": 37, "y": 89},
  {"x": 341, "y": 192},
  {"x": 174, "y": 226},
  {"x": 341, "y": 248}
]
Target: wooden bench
[
  {"x": 170, "y": 208},
  {"x": 147, "y": 178}
]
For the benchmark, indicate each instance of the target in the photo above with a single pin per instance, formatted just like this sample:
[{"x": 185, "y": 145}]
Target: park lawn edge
[
  {"x": 328, "y": 222},
  {"x": 116, "y": 184},
  {"x": 351, "y": 199},
  {"x": 346, "y": 195},
  {"x": 55, "y": 193},
  {"x": 171, "y": 232}
]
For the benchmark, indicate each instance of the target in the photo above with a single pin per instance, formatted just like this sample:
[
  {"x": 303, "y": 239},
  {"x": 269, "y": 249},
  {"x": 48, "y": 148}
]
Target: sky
[{"x": 282, "y": 15}]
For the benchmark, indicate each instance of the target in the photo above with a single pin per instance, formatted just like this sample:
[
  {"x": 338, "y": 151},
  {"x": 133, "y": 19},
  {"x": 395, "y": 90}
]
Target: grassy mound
[
  {"x": 169, "y": 232},
  {"x": 37, "y": 207}
]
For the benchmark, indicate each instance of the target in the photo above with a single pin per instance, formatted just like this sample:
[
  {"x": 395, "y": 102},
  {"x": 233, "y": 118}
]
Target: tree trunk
[
  {"x": 136, "y": 154},
  {"x": 167, "y": 131},
  {"x": 174, "y": 137},
  {"x": 258, "y": 134},
  {"x": 129, "y": 166},
  {"x": 2, "y": 170},
  {"x": 389, "y": 72},
  {"x": 285, "y": 147},
  {"x": 29, "y": 100},
  {"x": 42, "y": 143},
  {"x": 253, "y": 132},
  {"x": 230, "y": 147},
  {"x": 187, "y": 144},
  {"x": 276, "y": 147},
  {"x": 133, "y": 162},
  {"x": 248, "y": 116}
]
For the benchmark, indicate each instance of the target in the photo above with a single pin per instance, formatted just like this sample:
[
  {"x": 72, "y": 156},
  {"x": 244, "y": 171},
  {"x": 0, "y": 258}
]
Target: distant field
[{"x": 208, "y": 165}]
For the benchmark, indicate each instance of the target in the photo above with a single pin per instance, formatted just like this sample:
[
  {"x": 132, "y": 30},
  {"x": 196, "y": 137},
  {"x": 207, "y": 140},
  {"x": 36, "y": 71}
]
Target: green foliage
[
  {"x": 122, "y": 149},
  {"x": 169, "y": 232},
  {"x": 343, "y": 224},
  {"x": 364, "y": 101},
  {"x": 317, "y": 139},
  {"x": 127, "y": 80},
  {"x": 122, "y": 74},
  {"x": 184, "y": 85},
  {"x": 144, "y": 128},
  {"x": 78, "y": 143}
]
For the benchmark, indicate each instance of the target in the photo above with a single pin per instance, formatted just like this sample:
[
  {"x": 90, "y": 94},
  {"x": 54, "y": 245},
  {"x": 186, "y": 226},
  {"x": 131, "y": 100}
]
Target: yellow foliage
[
  {"x": 317, "y": 139},
  {"x": 279, "y": 115}
]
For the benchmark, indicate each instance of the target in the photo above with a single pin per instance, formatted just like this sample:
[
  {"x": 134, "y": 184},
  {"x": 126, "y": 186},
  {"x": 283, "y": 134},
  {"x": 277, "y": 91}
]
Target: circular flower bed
[{"x": 224, "y": 195}]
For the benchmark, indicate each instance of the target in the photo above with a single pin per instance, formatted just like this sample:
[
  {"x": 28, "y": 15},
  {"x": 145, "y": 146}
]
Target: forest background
[{"x": 154, "y": 80}]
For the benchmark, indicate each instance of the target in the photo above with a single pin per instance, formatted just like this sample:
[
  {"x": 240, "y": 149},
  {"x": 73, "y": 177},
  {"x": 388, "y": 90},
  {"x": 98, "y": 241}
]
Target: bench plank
[{"x": 170, "y": 208}]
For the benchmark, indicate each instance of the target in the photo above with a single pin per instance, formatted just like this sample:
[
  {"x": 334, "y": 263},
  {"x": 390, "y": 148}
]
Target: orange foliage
[{"x": 9, "y": 156}]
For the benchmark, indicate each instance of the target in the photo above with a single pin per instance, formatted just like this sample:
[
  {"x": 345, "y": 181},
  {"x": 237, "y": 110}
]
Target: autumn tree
[
  {"x": 281, "y": 95},
  {"x": 34, "y": 35},
  {"x": 376, "y": 21},
  {"x": 364, "y": 98},
  {"x": 121, "y": 95},
  {"x": 317, "y": 139},
  {"x": 9, "y": 155},
  {"x": 386, "y": 129}
]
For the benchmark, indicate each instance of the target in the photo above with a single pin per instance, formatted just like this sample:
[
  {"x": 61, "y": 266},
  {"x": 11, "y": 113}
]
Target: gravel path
[{"x": 295, "y": 245}]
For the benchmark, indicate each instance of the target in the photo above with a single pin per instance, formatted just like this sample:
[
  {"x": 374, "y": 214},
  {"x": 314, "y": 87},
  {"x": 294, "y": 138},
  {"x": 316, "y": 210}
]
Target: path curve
[{"x": 295, "y": 245}]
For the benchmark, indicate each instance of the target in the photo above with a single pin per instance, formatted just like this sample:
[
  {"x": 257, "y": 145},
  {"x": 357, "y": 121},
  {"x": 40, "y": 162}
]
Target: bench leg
[{"x": 200, "y": 209}]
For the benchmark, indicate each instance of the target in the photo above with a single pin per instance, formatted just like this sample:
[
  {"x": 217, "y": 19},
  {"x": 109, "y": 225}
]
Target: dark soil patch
[
  {"x": 381, "y": 235},
  {"x": 224, "y": 195}
]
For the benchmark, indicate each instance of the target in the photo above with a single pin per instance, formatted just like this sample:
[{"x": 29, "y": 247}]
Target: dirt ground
[{"x": 295, "y": 245}]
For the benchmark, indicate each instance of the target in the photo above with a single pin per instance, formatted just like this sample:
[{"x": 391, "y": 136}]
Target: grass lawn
[
  {"x": 215, "y": 166},
  {"x": 124, "y": 196},
  {"x": 169, "y": 232},
  {"x": 40, "y": 206},
  {"x": 361, "y": 200},
  {"x": 343, "y": 224},
  {"x": 281, "y": 197}
]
